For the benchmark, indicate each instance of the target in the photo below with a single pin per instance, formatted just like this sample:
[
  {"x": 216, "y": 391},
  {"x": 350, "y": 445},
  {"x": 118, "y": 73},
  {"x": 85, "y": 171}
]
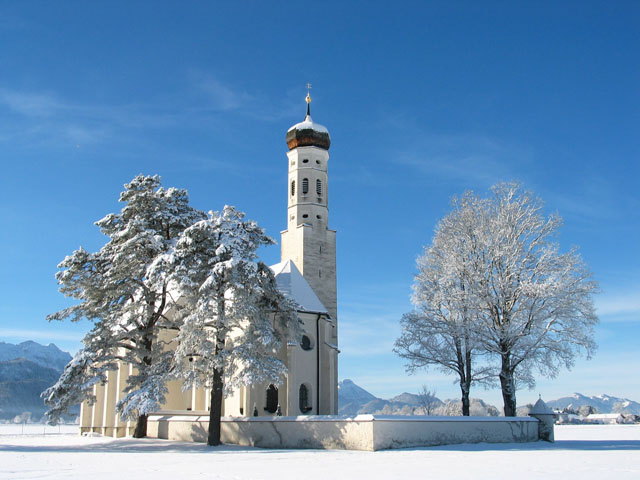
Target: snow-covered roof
[
  {"x": 309, "y": 124},
  {"x": 603, "y": 416},
  {"x": 293, "y": 285},
  {"x": 541, "y": 408}
]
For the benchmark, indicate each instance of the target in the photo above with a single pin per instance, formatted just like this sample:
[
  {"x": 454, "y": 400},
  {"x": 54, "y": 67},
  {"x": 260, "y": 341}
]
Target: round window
[{"x": 305, "y": 343}]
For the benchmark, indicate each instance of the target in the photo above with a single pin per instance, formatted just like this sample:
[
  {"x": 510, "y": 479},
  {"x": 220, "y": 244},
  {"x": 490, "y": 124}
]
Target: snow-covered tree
[
  {"x": 440, "y": 330},
  {"x": 127, "y": 305},
  {"x": 74, "y": 386},
  {"x": 232, "y": 318},
  {"x": 534, "y": 304},
  {"x": 495, "y": 282},
  {"x": 586, "y": 410}
]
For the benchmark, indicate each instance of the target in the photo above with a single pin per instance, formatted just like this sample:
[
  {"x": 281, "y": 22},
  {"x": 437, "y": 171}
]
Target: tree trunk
[
  {"x": 508, "y": 386},
  {"x": 141, "y": 423},
  {"x": 216, "y": 409},
  {"x": 141, "y": 427},
  {"x": 465, "y": 402},
  {"x": 465, "y": 384}
]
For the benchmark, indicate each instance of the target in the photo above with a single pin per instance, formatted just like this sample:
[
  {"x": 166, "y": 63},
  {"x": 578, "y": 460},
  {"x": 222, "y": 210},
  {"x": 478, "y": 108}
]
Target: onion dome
[{"x": 307, "y": 133}]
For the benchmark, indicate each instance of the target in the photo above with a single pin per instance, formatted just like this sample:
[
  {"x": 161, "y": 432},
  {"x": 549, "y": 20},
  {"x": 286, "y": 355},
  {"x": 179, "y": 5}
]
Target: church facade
[{"x": 306, "y": 274}]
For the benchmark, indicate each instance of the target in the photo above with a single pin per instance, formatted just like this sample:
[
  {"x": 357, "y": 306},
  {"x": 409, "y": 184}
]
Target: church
[
  {"x": 305, "y": 274},
  {"x": 300, "y": 412}
]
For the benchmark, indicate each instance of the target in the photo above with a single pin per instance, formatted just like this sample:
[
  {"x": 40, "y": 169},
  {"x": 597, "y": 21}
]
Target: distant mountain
[
  {"x": 354, "y": 400},
  {"x": 603, "y": 403},
  {"x": 48, "y": 356},
  {"x": 26, "y": 370},
  {"x": 407, "y": 398},
  {"x": 21, "y": 383},
  {"x": 351, "y": 397}
]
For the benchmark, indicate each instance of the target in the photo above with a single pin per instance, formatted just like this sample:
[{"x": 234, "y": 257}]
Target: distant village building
[
  {"x": 307, "y": 274},
  {"x": 611, "y": 418}
]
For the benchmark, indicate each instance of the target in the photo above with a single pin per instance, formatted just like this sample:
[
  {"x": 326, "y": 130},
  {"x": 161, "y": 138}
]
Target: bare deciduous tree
[
  {"x": 428, "y": 400},
  {"x": 494, "y": 287},
  {"x": 534, "y": 304},
  {"x": 440, "y": 330}
]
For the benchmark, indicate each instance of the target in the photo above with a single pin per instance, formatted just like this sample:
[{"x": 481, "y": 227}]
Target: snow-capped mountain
[
  {"x": 48, "y": 356},
  {"x": 26, "y": 370},
  {"x": 603, "y": 403}
]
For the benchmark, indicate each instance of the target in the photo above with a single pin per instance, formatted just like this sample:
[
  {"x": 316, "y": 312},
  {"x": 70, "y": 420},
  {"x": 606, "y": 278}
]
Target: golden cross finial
[{"x": 308, "y": 99}]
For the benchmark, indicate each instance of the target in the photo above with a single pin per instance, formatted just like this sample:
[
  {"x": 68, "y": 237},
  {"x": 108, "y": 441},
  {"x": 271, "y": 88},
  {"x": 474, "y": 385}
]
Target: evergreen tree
[
  {"x": 231, "y": 317},
  {"x": 126, "y": 297}
]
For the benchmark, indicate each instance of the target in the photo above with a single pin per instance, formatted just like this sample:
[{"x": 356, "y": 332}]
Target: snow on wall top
[{"x": 293, "y": 285}]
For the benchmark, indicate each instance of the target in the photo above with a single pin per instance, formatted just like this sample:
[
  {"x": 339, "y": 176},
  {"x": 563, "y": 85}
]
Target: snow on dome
[
  {"x": 308, "y": 134},
  {"x": 309, "y": 124},
  {"x": 293, "y": 285}
]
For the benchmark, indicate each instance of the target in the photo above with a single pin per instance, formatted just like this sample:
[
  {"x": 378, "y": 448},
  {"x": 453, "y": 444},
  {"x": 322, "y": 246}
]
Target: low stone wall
[{"x": 363, "y": 432}]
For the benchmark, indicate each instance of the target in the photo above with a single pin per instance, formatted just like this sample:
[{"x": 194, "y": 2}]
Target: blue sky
[{"x": 423, "y": 101}]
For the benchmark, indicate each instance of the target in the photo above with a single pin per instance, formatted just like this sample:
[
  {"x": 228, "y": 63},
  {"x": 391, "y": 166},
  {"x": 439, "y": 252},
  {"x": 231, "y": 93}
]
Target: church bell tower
[{"x": 308, "y": 241}]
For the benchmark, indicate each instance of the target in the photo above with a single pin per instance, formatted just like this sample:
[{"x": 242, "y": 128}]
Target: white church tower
[
  {"x": 308, "y": 241},
  {"x": 310, "y": 244}
]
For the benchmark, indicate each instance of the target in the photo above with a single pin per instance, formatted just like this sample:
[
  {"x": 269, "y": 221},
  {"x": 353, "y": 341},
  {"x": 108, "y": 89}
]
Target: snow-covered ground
[{"x": 580, "y": 452}]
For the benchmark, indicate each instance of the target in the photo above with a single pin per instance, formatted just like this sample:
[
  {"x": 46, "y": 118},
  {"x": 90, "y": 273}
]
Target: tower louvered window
[
  {"x": 293, "y": 188},
  {"x": 305, "y": 186},
  {"x": 319, "y": 187}
]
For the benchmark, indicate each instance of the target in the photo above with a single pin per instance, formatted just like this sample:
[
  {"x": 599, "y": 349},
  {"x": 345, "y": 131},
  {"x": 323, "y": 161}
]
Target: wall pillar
[
  {"x": 546, "y": 420},
  {"x": 110, "y": 395},
  {"x": 98, "y": 408},
  {"x": 86, "y": 415}
]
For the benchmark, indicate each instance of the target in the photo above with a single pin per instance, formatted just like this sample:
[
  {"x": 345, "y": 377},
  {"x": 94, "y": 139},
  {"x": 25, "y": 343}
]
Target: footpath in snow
[{"x": 581, "y": 452}]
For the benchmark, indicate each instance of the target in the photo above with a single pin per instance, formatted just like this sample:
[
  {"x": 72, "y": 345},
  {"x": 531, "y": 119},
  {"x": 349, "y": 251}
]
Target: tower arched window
[
  {"x": 272, "y": 399},
  {"x": 305, "y": 186},
  {"x": 319, "y": 187},
  {"x": 305, "y": 401},
  {"x": 293, "y": 187}
]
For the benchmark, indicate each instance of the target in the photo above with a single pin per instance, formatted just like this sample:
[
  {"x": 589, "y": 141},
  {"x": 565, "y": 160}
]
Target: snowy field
[{"x": 582, "y": 452}]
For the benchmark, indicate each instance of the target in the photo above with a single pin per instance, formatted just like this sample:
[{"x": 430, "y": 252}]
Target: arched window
[
  {"x": 293, "y": 187},
  {"x": 272, "y": 399},
  {"x": 305, "y": 401},
  {"x": 305, "y": 186},
  {"x": 319, "y": 187}
]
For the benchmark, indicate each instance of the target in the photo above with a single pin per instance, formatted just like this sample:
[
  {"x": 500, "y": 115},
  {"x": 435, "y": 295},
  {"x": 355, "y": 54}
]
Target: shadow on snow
[{"x": 130, "y": 445}]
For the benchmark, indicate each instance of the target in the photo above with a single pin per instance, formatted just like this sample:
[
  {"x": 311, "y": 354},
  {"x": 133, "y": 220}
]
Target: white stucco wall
[
  {"x": 402, "y": 432},
  {"x": 363, "y": 432}
]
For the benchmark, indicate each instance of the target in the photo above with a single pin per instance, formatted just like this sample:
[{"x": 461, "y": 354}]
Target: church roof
[
  {"x": 293, "y": 285},
  {"x": 308, "y": 133}
]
